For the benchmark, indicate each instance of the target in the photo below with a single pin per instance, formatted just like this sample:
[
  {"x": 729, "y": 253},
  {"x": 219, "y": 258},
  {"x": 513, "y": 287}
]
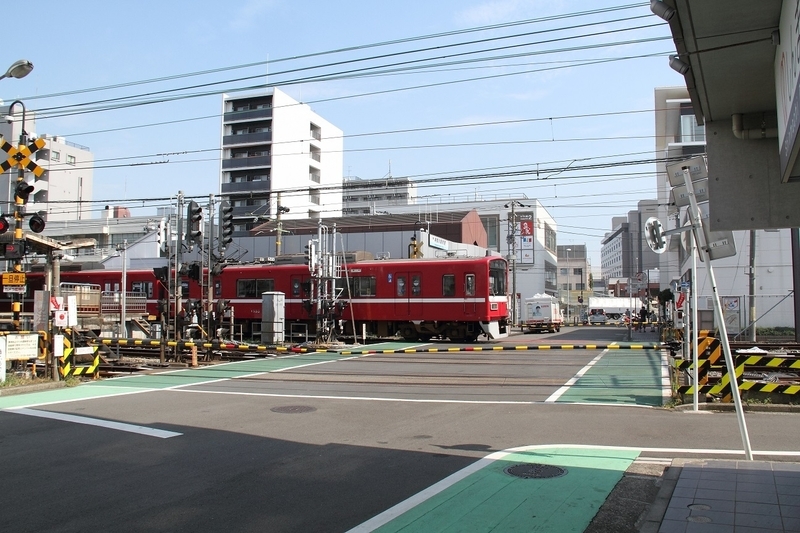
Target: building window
[
  {"x": 55, "y": 156},
  {"x": 70, "y": 159},
  {"x": 549, "y": 238}
]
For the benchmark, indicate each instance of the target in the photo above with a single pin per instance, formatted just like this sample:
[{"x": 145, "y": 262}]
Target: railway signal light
[
  {"x": 311, "y": 255},
  {"x": 194, "y": 219},
  {"x": 413, "y": 248},
  {"x": 222, "y": 306},
  {"x": 23, "y": 191},
  {"x": 162, "y": 274},
  {"x": 194, "y": 272},
  {"x": 161, "y": 236},
  {"x": 14, "y": 250},
  {"x": 4, "y": 225},
  {"x": 36, "y": 223},
  {"x": 225, "y": 225}
]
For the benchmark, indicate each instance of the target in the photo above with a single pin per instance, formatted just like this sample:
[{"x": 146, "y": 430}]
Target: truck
[
  {"x": 614, "y": 307},
  {"x": 543, "y": 313}
]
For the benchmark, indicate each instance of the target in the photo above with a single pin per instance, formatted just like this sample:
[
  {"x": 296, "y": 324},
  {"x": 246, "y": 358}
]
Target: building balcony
[
  {"x": 247, "y": 138},
  {"x": 245, "y": 187},
  {"x": 247, "y": 162},
  {"x": 241, "y": 116}
]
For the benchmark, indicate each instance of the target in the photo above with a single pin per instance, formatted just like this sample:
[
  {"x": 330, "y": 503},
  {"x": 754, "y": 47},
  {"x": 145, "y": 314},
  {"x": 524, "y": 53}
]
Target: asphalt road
[{"x": 321, "y": 442}]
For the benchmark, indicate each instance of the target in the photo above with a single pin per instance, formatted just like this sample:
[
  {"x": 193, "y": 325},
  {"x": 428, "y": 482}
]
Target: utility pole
[
  {"x": 753, "y": 285},
  {"x": 279, "y": 210},
  {"x": 178, "y": 260},
  {"x": 210, "y": 292}
]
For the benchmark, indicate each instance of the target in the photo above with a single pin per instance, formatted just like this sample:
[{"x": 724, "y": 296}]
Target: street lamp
[{"x": 19, "y": 69}]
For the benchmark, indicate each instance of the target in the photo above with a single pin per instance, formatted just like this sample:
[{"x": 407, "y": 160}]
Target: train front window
[{"x": 497, "y": 278}]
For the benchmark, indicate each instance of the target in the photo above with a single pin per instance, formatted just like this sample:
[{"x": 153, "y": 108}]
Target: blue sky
[{"x": 546, "y": 108}]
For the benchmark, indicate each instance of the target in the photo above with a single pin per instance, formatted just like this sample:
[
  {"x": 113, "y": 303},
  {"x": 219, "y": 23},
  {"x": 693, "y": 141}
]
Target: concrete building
[
  {"x": 624, "y": 252},
  {"x": 275, "y": 149},
  {"x": 678, "y": 137},
  {"x": 63, "y": 191},
  {"x": 368, "y": 197},
  {"x": 573, "y": 280}
]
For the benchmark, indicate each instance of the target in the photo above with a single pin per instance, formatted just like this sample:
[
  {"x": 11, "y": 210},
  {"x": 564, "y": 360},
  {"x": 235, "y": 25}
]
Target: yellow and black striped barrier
[
  {"x": 723, "y": 387},
  {"x": 69, "y": 365},
  {"x": 228, "y": 346}
]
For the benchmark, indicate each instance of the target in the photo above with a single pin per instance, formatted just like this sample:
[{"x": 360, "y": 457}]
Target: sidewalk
[{"x": 716, "y": 496}]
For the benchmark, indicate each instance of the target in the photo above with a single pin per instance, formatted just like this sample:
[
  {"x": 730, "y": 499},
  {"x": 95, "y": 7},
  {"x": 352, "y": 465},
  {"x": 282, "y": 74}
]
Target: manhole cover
[
  {"x": 699, "y": 507},
  {"x": 293, "y": 409},
  {"x": 535, "y": 471}
]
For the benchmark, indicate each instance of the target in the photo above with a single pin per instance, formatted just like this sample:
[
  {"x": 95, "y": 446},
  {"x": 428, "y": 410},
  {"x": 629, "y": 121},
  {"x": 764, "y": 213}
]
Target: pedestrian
[{"x": 642, "y": 317}]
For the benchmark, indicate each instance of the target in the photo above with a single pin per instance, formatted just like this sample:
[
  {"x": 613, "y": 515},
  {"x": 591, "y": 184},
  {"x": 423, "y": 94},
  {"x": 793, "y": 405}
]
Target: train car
[{"x": 417, "y": 299}]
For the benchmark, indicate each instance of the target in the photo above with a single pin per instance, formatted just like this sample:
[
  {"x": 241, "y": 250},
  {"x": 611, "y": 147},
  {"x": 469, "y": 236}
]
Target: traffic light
[
  {"x": 23, "y": 190},
  {"x": 36, "y": 223},
  {"x": 225, "y": 225},
  {"x": 4, "y": 225},
  {"x": 194, "y": 220},
  {"x": 162, "y": 274}
]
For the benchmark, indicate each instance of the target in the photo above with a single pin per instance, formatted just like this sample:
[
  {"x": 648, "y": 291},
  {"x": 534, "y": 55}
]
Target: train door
[
  {"x": 408, "y": 295},
  {"x": 470, "y": 305}
]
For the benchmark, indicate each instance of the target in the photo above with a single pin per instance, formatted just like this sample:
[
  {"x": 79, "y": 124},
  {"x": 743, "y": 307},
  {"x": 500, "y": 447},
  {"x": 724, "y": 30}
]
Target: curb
[
  {"x": 729, "y": 407},
  {"x": 658, "y": 509},
  {"x": 35, "y": 387}
]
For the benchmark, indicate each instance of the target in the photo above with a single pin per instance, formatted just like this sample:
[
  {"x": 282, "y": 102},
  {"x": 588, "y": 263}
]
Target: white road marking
[
  {"x": 403, "y": 507},
  {"x": 362, "y": 398},
  {"x": 557, "y": 394},
  {"x": 119, "y": 426}
]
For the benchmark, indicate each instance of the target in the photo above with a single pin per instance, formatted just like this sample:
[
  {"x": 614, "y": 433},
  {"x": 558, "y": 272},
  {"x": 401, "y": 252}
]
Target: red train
[{"x": 417, "y": 299}]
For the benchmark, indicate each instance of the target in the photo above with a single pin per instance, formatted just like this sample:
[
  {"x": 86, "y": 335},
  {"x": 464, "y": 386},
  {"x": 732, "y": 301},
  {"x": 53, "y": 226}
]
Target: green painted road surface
[
  {"x": 488, "y": 499},
  {"x": 166, "y": 380},
  {"x": 625, "y": 377}
]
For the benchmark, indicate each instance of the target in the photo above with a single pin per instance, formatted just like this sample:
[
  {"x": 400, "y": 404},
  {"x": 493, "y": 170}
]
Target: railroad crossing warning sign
[
  {"x": 20, "y": 157},
  {"x": 14, "y": 278}
]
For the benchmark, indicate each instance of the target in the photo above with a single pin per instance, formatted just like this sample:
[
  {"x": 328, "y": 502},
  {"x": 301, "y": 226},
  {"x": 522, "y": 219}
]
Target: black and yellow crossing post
[{"x": 20, "y": 157}]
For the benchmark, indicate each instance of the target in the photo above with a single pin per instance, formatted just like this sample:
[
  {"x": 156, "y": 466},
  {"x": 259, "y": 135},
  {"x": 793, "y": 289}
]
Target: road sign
[
  {"x": 17, "y": 289},
  {"x": 14, "y": 278},
  {"x": 20, "y": 157}
]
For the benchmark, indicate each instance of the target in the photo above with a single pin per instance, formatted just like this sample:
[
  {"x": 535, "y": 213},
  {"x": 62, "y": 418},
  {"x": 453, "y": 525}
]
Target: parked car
[{"x": 597, "y": 316}]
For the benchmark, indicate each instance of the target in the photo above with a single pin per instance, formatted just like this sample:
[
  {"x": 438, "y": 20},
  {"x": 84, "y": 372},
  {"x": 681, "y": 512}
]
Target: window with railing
[
  {"x": 316, "y": 154},
  {"x": 316, "y": 132},
  {"x": 314, "y": 196}
]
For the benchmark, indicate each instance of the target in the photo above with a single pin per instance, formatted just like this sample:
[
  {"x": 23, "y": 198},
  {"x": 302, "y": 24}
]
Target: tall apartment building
[
  {"x": 274, "y": 146},
  {"x": 367, "y": 197},
  {"x": 63, "y": 191}
]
